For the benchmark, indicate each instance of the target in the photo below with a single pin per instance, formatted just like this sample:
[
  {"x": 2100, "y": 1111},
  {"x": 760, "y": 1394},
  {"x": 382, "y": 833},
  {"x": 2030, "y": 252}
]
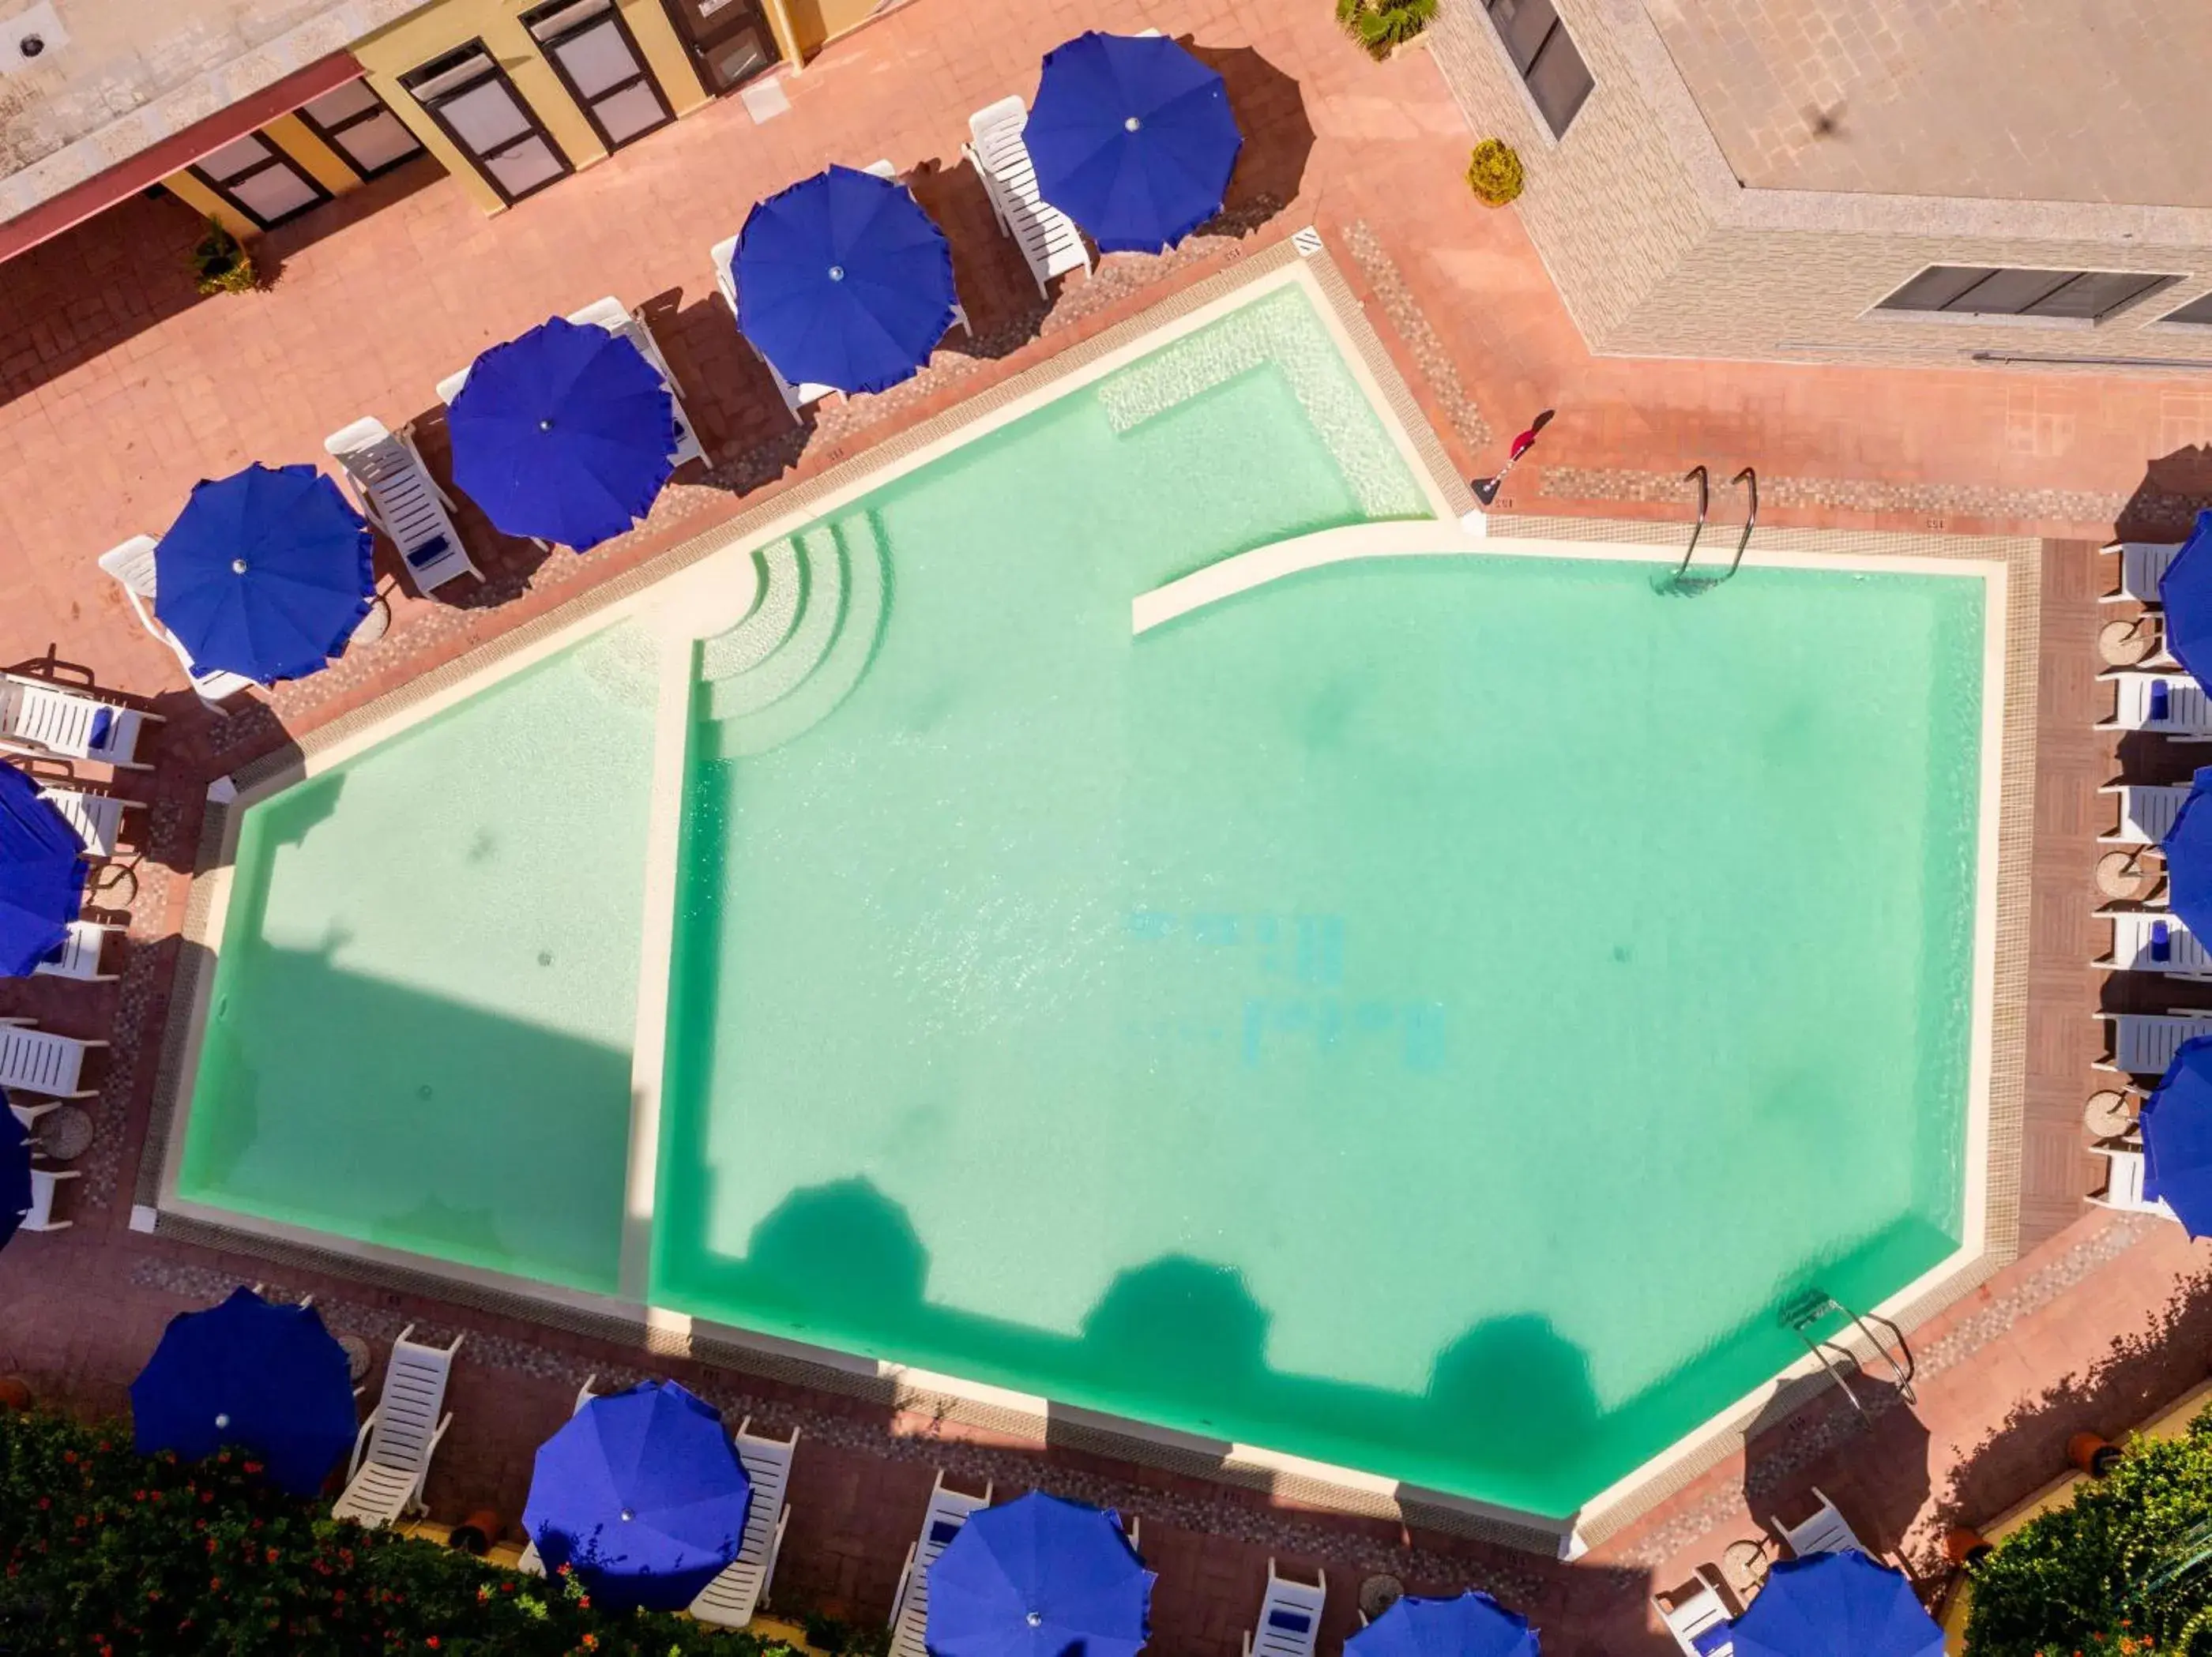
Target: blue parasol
[
  {"x": 269, "y": 1379},
  {"x": 1133, "y": 138},
  {"x": 42, "y": 870},
  {"x": 2184, "y": 593},
  {"x": 2188, "y": 848},
  {"x": 1836, "y": 1604},
  {"x": 642, "y": 1493},
  {"x": 1472, "y": 1625},
  {"x": 1039, "y": 1577},
  {"x": 843, "y": 281},
  {"x": 2177, "y": 1136},
  {"x": 563, "y": 434},
  {"x": 265, "y": 573},
  {"x": 15, "y": 1172}
]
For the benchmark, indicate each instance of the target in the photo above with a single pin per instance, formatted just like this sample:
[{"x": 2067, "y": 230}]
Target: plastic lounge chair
[
  {"x": 2152, "y": 941},
  {"x": 40, "y": 1215},
  {"x": 1048, "y": 237},
  {"x": 391, "y": 1453},
  {"x": 28, "y": 1115},
  {"x": 97, "y": 818},
  {"x": 948, "y": 1511},
  {"x": 1290, "y": 1616},
  {"x": 2141, "y": 564},
  {"x": 78, "y": 957},
  {"x": 38, "y": 1061},
  {"x": 529, "y": 1562},
  {"x": 1698, "y": 1619},
  {"x": 2146, "y": 812},
  {"x": 795, "y": 398},
  {"x": 39, "y": 718},
  {"x": 2170, "y": 704},
  {"x": 730, "y": 1600},
  {"x": 2143, "y": 1044},
  {"x": 398, "y": 496},
  {"x": 2127, "y": 1182},
  {"x": 132, "y": 565},
  {"x": 1826, "y": 1532},
  {"x": 608, "y": 313}
]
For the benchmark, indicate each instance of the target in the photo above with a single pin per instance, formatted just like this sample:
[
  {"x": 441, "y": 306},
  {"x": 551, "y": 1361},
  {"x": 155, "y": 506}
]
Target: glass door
[
  {"x": 468, "y": 94},
  {"x": 355, "y": 122},
  {"x": 259, "y": 180},
  {"x": 729, "y": 40},
  {"x": 592, "y": 50}
]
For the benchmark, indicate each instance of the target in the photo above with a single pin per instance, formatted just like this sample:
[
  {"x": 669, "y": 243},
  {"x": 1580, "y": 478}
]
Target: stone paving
[{"x": 121, "y": 388}]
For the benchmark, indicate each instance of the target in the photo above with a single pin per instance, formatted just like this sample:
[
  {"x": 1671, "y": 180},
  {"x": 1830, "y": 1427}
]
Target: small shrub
[
  {"x": 1382, "y": 26},
  {"x": 1494, "y": 173},
  {"x": 220, "y": 263}
]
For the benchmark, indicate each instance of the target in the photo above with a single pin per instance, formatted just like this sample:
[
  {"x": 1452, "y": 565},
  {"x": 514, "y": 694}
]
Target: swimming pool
[{"x": 1421, "y": 1014}]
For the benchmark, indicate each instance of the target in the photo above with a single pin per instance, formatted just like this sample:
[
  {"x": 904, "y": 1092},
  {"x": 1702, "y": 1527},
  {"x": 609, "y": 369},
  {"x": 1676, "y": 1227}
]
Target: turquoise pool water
[{"x": 1425, "y": 1015}]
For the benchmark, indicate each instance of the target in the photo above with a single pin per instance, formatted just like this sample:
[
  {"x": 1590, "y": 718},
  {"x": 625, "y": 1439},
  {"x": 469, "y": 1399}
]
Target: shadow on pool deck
[{"x": 1509, "y": 1404}]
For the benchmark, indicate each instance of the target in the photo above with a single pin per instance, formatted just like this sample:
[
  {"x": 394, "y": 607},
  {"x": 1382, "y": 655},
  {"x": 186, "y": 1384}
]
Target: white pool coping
[{"x": 709, "y": 585}]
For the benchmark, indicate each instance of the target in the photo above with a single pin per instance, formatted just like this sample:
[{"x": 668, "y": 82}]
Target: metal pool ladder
[
  {"x": 1807, "y": 1309},
  {"x": 1681, "y": 581}
]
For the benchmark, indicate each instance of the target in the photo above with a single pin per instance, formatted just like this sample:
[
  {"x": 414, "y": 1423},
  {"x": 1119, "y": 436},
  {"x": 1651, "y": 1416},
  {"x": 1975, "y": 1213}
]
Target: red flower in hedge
[
  {"x": 46, "y": 1501},
  {"x": 253, "y": 1466}
]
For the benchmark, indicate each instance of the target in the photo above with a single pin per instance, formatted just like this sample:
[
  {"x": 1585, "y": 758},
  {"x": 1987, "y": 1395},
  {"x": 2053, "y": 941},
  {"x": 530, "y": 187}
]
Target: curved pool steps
[
  {"x": 782, "y": 670},
  {"x": 779, "y": 593},
  {"x": 867, "y": 604}
]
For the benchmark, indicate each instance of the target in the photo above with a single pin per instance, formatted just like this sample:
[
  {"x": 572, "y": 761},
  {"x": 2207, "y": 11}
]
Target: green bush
[
  {"x": 1494, "y": 172},
  {"x": 1382, "y": 25},
  {"x": 220, "y": 263},
  {"x": 112, "y": 1554},
  {"x": 2125, "y": 1566}
]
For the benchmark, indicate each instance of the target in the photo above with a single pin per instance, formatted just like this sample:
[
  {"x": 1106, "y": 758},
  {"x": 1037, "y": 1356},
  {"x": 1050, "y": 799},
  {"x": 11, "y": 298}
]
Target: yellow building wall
[
  {"x": 664, "y": 54},
  {"x": 324, "y": 165},
  {"x": 204, "y": 202},
  {"x": 813, "y": 23}
]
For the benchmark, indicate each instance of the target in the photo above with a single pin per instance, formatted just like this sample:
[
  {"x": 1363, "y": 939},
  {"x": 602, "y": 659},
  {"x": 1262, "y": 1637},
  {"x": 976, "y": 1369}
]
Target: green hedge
[
  {"x": 113, "y": 1553},
  {"x": 2125, "y": 1566}
]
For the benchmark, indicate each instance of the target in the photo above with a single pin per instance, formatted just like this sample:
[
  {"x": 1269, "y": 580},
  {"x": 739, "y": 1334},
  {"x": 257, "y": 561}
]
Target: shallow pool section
[
  {"x": 420, "y": 1028},
  {"x": 1426, "y": 1015}
]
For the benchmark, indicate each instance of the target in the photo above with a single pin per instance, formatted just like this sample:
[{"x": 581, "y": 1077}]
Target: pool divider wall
[{"x": 626, "y": 1320}]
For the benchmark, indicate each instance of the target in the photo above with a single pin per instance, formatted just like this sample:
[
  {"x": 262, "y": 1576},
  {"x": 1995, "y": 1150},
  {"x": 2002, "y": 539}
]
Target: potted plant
[
  {"x": 1384, "y": 26},
  {"x": 1494, "y": 173},
  {"x": 220, "y": 263}
]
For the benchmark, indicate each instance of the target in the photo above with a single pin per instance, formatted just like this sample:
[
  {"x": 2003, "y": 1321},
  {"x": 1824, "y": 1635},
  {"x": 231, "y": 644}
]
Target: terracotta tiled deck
[{"x": 122, "y": 388}]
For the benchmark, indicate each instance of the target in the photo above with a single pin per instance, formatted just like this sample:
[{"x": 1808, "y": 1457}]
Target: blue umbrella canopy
[
  {"x": 1836, "y": 1604},
  {"x": 42, "y": 870},
  {"x": 269, "y": 1379},
  {"x": 265, "y": 573},
  {"x": 563, "y": 434},
  {"x": 15, "y": 1172},
  {"x": 1039, "y": 1577},
  {"x": 1133, "y": 138},
  {"x": 642, "y": 1493},
  {"x": 1472, "y": 1625},
  {"x": 843, "y": 280},
  {"x": 2188, "y": 848},
  {"x": 2177, "y": 1135},
  {"x": 2184, "y": 593}
]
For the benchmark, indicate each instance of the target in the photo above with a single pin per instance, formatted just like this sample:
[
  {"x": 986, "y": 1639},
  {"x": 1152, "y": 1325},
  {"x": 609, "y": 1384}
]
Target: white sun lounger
[
  {"x": 529, "y": 1561},
  {"x": 1048, "y": 237},
  {"x": 2155, "y": 941},
  {"x": 608, "y": 313},
  {"x": 97, "y": 818},
  {"x": 2170, "y": 704},
  {"x": 2143, "y": 1044},
  {"x": 796, "y": 399},
  {"x": 40, "y": 1215},
  {"x": 1826, "y": 1532},
  {"x": 2141, "y": 564},
  {"x": 948, "y": 1511},
  {"x": 731, "y": 1599},
  {"x": 36, "y": 717},
  {"x": 1698, "y": 1620},
  {"x": 1290, "y": 1616},
  {"x": 133, "y": 566},
  {"x": 391, "y": 1453},
  {"x": 38, "y": 1061},
  {"x": 2123, "y": 1182},
  {"x": 79, "y": 956},
  {"x": 398, "y": 496},
  {"x": 2147, "y": 811}
]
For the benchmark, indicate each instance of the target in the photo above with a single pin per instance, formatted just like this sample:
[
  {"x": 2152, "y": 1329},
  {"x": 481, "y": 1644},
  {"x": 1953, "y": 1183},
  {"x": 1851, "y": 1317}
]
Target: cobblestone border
[{"x": 1933, "y": 500}]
